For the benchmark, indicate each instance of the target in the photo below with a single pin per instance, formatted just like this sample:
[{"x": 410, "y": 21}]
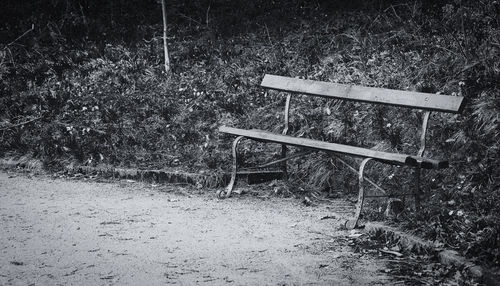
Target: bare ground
[{"x": 72, "y": 232}]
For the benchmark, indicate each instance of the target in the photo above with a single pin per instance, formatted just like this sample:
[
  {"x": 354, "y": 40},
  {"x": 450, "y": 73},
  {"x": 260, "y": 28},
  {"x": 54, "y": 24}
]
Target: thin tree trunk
[{"x": 165, "y": 48}]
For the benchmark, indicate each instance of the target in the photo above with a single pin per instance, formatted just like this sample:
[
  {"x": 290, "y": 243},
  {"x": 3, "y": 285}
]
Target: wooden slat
[
  {"x": 394, "y": 158},
  {"x": 418, "y": 100}
]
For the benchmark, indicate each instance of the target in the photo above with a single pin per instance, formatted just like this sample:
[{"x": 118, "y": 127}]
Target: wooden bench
[{"x": 415, "y": 100}]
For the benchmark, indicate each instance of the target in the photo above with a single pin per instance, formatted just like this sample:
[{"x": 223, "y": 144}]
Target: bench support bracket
[
  {"x": 353, "y": 223},
  {"x": 227, "y": 192},
  {"x": 418, "y": 193}
]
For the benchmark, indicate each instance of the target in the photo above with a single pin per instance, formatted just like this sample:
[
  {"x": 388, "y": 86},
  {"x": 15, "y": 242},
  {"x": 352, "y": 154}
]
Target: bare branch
[
  {"x": 165, "y": 48},
  {"x": 20, "y": 124},
  {"x": 18, "y": 38}
]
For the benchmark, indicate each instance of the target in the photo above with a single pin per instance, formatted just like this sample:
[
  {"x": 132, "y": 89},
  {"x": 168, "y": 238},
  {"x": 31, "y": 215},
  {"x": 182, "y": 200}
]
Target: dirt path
[{"x": 87, "y": 233}]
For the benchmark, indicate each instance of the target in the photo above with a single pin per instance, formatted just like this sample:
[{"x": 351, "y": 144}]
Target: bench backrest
[{"x": 417, "y": 100}]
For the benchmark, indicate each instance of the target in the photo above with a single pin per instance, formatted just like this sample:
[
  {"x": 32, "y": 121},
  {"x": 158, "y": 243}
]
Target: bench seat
[{"x": 392, "y": 158}]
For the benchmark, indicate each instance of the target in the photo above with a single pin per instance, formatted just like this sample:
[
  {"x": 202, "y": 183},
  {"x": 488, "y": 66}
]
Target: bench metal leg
[
  {"x": 227, "y": 192},
  {"x": 353, "y": 223}
]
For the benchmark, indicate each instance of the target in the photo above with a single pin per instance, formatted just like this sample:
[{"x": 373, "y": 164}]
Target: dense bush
[{"x": 87, "y": 85}]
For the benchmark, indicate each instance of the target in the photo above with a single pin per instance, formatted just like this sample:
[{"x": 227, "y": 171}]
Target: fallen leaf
[{"x": 354, "y": 234}]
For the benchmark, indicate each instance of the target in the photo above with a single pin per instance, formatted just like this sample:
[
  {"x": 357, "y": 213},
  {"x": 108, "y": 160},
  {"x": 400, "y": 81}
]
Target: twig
[
  {"x": 206, "y": 17},
  {"x": 268, "y": 35},
  {"x": 11, "y": 57},
  {"x": 284, "y": 159},
  {"x": 84, "y": 18},
  {"x": 398, "y": 254},
  {"x": 189, "y": 18},
  {"x": 165, "y": 48},
  {"x": 18, "y": 38},
  {"x": 20, "y": 124},
  {"x": 394, "y": 11},
  {"x": 466, "y": 68},
  {"x": 351, "y": 37}
]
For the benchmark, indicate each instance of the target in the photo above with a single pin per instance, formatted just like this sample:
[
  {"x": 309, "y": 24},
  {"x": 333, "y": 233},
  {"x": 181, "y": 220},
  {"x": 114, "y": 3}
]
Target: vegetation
[{"x": 87, "y": 85}]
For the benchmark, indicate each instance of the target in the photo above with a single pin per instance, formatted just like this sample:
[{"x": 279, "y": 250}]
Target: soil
[{"x": 75, "y": 232}]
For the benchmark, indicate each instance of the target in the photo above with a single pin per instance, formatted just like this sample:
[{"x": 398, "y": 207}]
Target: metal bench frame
[{"x": 270, "y": 82}]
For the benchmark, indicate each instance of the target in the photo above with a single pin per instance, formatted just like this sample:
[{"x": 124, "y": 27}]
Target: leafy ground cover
[{"x": 87, "y": 85}]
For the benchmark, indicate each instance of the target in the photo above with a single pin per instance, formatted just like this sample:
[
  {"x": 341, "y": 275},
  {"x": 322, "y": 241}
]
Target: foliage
[{"x": 87, "y": 85}]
